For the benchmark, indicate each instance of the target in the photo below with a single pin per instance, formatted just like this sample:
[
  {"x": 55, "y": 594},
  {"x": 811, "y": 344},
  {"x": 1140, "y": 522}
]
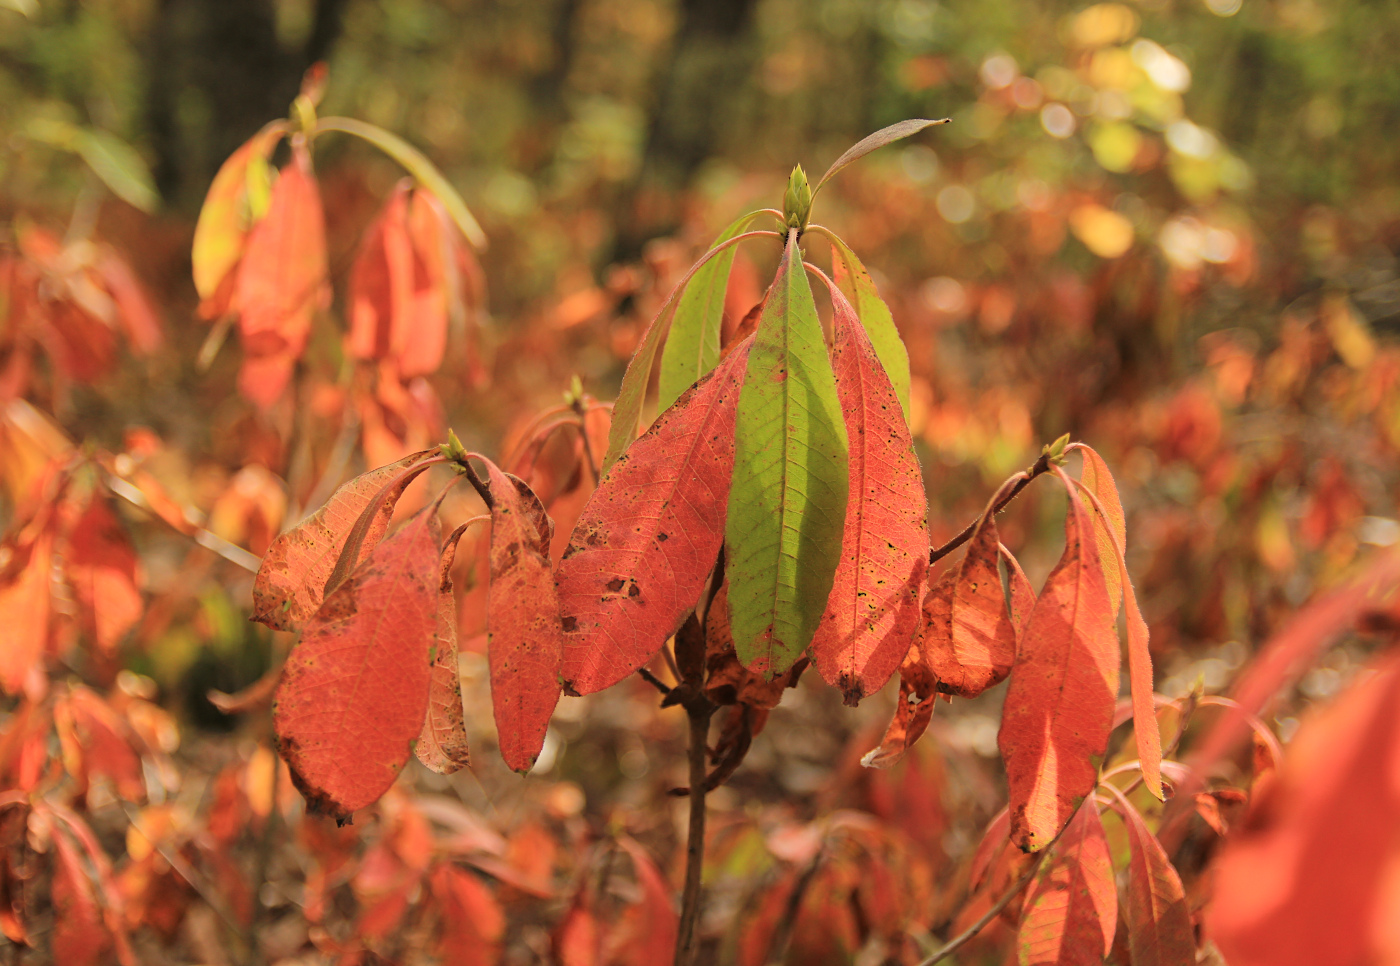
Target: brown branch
[
  {"x": 687, "y": 937},
  {"x": 782, "y": 935},
  {"x": 1041, "y": 465}
]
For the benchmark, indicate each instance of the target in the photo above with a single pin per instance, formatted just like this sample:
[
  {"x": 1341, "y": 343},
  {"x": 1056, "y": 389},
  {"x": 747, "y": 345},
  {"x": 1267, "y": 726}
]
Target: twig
[
  {"x": 209, "y": 541},
  {"x": 966, "y": 936},
  {"x": 1041, "y": 465},
  {"x": 582, "y": 414},
  {"x": 687, "y": 944},
  {"x": 653, "y": 680}
]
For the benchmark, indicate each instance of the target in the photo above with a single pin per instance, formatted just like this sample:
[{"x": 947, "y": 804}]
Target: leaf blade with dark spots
[
  {"x": 290, "y": 584},
  {"x": 443, "y": 745},
  {"x": 354, "y": 694},
  {"x": 873, "y": 612},
  {"x": 970, "y": 636},
  {"x": 525, "y": 636},
  {"x": 659, "y": 513}
]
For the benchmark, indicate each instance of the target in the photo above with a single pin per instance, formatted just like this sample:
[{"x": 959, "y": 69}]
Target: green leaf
[
  {"x": 873, "y": 142},
  {"x": 859, "y": 288},
  {"x": 692, "y": 348},
  {"x": 417, "y": 164},
  {"x": 109, "y": 157},
  {"x": 787, "y": 502}
]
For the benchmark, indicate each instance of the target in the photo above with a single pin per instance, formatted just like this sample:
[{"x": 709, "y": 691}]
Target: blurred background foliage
[{"x": 1169, "y": 227}]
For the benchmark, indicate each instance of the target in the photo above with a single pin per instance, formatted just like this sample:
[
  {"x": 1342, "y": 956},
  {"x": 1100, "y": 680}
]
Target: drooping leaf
[
  {"x": 282, "y": 281},
  {"x": 728, "y": 682},
  {"x": 1071, "y": 910},
  {"x": 692, "y": 346},
  {"x": 1059, "y": 704},
  {"x": 100, "y": 565},
  {"x": 79, "y": 935},
  {"x": 653, "y": 922},
  {"x": 25, "y": 602},
  {"x": 787, "y": 502},
  {"x": 224, "y": 218},
  {"x": 473, "y": 923},
  {"x": 1159, "y": 919},
  {"x": 443, "y": 745},
  {"x": 649, "y": 535},
  {"x": 913, "y": 709},
  {"x": 416, "y": 164},
  {"x": 101, "y": 745},
  {"x": 873, "y": 142},
  {"x": 354, "y": 693},
  {"x": 398, "y": 291},
  {"x": 970, "y": 634},
  {"x": 291, "y": 583},
  {"x": 872, "y": 615},
  {"x": 1110, "y": 525},
  {"x": 1309, "y": 877},
  {"x": 859, "y": 288},
  {"x": 994, "y": 838},
  {"x": 524, "y": 629},
  {"x": 1111, "y": 530}
]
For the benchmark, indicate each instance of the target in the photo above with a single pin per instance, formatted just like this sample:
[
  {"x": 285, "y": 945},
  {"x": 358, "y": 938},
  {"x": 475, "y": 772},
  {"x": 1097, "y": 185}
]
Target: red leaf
[
  {"x": 472, "y": 920},
  {"x": 524, "y": 633},
  {"x": 101, "y": 567},
  {"x": 650, "y": 534},
  {"x": 104, "y": 743},
  {"x": 1071, "y": 910},
  {"x": 652, "y": 924},
  {"x": 291, "y": 583},
  {"x": 1159, "y": 920},
  {"x": 354, "y": 693},
  {"x": 1111, "y": 531},
  {"x": 79, "y": 938},
  {"x": 1059, "y": 705},
  {"x": 872, "y": 614},
  {"x": 1309, "y": 875},
  {"x": 994, "y": 839},
  {"x": 443, "y": 744},
  {"x": 912, "y": 711},
  {"x": 282, "y": 281},
  {"x": 134, "y": 310},
  {"x": 25, "y": 602},
  {"x": 577, "y": 940},
  {"x": 970, "y": 636}
]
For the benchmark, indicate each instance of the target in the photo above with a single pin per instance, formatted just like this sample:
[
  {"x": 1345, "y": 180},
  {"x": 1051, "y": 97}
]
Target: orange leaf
[
  {"x": 525, "y": 636},
  {"x": 650, "y": 534},
  {"x": 354, "y": 694},
  {"x": 220, "y": 231},
  {"x": 79, "y": 938},
  {"x": 291, "y": 582},
  {"x": 472, "y": 921},
  {"x": 1059, "y": 705},
  {"x": 282, "y": 281},
  {"x": 653, "y": 923},
  {"x": 1111, "y": 531},
  {"x": 872, "y": 615},
  {"x": 100, "y": 565},
  {"x": 1159, "y": 921},
  {"x": 443, "y": 744},
  {"x": 969, "y": 642},
  {"x": 913, "y": 710},
  {"x": 1071, "y": 910},
  {"x": 1309, "y": 876},
  {"x": 25, "y": 602}
]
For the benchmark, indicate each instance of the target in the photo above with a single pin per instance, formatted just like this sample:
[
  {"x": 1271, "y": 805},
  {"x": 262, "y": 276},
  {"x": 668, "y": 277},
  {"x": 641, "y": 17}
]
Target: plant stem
[
  {"x": 687, "y": 938},
  {"x": 964, "y": 937},
  {"x": 1041, "y": 465}
]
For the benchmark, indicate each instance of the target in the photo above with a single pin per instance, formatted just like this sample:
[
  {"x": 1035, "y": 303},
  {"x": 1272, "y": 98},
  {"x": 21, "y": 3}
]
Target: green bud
[
  {"x": 797, "y": 201},
  {"x": 1057, "y": 449},
  {"x": 453, "y": 448}
]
